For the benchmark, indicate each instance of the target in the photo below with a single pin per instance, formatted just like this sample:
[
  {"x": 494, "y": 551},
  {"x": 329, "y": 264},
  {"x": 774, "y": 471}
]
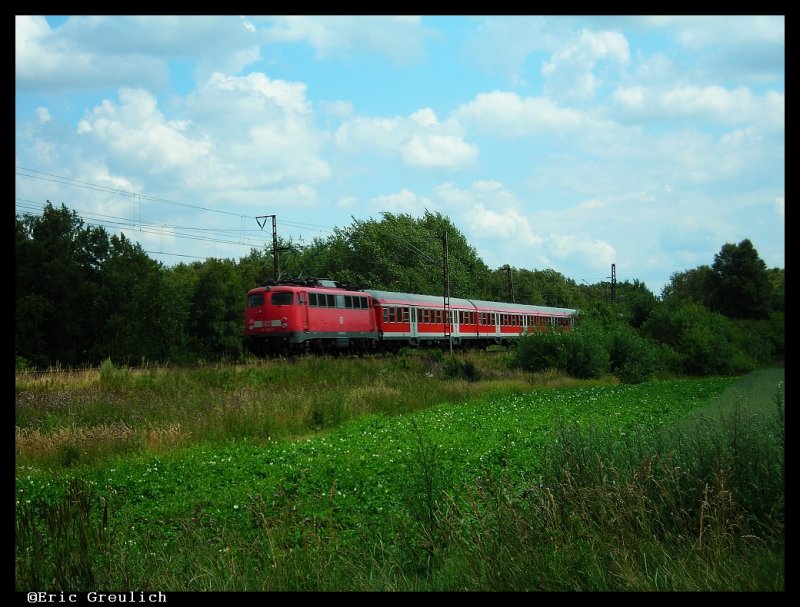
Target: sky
[{"x": 568, "y": 143}]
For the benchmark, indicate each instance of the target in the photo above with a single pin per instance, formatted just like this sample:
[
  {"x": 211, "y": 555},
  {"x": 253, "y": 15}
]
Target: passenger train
[{"x": 324, "y": 315}]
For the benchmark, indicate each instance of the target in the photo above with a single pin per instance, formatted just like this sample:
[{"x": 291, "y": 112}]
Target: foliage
[
  {"x": 217, "y": 310},
  {"x": 398, "y": 253},
  {"x": 600, "y": 344},
  {"x": 541, "y": 351},
  {"x": 741, "y": 286},
  {"x": 703, "y": 340},
  {"x": 737, "y": 285},
  {"x": 633, "y": 358},
  {"x": 544, "y": 490},
  {"x": 635, "y": 302},
  {"x": 55, "y": 289},
  {"x": 82, "y": 297},
  {"x": 693, "y": 285},
  {"x": 587, "y": 350}
]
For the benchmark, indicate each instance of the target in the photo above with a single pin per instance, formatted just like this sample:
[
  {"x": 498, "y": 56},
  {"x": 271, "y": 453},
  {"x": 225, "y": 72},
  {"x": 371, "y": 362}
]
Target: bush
[
  {"x": 541, "y": 351},
  {"x": 587, "y": 353},
  {"x": 633, "y": 358},
  {"x": 461, "y": 369}
]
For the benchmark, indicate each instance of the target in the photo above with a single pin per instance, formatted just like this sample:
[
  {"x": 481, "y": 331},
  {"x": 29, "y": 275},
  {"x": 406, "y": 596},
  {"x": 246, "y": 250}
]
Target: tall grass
[
  {"x": 697, "y": 506},
  {"x": 79, "y": 417}
]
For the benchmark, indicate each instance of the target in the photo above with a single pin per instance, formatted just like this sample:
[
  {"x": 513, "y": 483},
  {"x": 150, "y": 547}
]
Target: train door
[
  {"x": 497, "y": 324},
  {"x": 454, "y": 316},
  {"x": 302, "y": 304},
  {"x": 413, "y": 328}
]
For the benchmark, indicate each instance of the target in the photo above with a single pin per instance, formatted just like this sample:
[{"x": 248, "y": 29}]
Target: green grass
[
  {"x": 78, "y": 418},
  {"x": 589, "y": 487}
]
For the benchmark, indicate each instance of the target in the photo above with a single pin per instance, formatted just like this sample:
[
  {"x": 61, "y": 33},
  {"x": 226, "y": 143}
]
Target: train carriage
[
  {"x": 413, "y": 319},
  {"x": 501, "y": 320}
]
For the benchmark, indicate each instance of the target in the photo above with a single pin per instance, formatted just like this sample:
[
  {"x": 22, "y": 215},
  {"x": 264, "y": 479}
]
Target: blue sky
[{"x": 566, "y": 143}]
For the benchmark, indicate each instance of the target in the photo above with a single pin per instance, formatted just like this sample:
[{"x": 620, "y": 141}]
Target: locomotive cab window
[
  {"x": 282, "y": 299},
  {"x": 254, "y": 301}
]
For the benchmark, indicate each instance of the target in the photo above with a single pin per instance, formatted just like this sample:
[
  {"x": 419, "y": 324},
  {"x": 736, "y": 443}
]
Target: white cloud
[
  {"x": 700, "y": 31},
  {"x": 404, "y": 201},
  {"x": 237, "y": 140},
  {"x": 135, "y": 131},
  {"x": 438, "y": 151},
  {"x": 339, "y": 109},
  {"x": 419, "y": 139},
  {"x": 710, "y": 103},
  {"x": 779, "y": 207},
  {"x": 424, "y": 117},
  {"x": 502, "y": 43},
  {"x": 569, "y": 72},
  {"x": 48, "y": 61},
  {"x": 400, "y": 38},
  {"x": 489, "y": 211},
  {"x": 91, "y": 52},
  {"x": 505, "y": 114},
  {"x": 43, "y": 115},
  {"x": 590, "y": 252}
]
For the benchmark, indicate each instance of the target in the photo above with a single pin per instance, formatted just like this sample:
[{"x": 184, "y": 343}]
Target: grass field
[{"x": 409, "y": 473}]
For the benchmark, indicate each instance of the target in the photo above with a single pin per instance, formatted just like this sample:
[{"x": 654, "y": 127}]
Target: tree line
[{"x": 83, "y": 296}]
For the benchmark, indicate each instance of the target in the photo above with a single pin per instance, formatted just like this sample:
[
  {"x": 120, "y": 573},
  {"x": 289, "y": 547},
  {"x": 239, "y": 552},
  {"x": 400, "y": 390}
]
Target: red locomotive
[{"x": 317, "y": 314}]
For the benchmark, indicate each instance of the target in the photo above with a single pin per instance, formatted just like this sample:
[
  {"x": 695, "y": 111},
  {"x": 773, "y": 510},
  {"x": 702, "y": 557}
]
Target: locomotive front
[{"x": 271, "y": 318}]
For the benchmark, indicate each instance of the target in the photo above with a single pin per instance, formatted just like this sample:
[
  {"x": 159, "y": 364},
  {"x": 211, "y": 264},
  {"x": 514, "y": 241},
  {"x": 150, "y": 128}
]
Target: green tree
[
  {"x": 691, "y": 285},
  {"x": 57, "y": 268},
  {"x": 635, "y": 302},
  {"x": 777, "y": 278},
  {"x": 702, "y": 340},
  {"x": 179, "y": 283},
  {"x": 217, "y": 310},
  {"x": 536, "y": 287},
  {"x": 741, "y": 286},
  {"x": 135, "y": 311},
  {"x": 397, "y": 253}
]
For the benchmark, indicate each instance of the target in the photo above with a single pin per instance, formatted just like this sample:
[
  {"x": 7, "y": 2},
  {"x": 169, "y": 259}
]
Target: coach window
[
  {"x": 282, "y": 299},
  {"x": 391, "y": 314}
]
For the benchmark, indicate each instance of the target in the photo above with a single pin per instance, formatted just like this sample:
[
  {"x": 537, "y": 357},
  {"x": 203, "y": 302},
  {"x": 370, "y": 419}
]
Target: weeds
[{"x": 583, "y": 488}]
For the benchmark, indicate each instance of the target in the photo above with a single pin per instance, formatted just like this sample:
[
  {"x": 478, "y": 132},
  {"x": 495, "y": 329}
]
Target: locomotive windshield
[
  {"x": 254, "y": 301},
  {"x": 282, "y": 299}
]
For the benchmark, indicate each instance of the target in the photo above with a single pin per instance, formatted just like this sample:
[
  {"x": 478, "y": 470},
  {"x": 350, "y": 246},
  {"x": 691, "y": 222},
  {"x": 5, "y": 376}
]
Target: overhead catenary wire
[{"x": 248, "y": 238}]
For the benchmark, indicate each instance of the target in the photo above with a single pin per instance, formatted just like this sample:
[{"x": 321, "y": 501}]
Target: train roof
[
  {"x": 455, "y": 302},
  {"x": 416, "y": 298}
]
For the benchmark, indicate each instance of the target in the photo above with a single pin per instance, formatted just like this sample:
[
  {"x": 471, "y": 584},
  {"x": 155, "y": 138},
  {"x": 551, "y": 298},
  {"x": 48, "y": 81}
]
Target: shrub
[
  {"x": 540, "y": 351},
  {"x": 633, "y": 358},
  {"x": 587, "y": 353}
]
